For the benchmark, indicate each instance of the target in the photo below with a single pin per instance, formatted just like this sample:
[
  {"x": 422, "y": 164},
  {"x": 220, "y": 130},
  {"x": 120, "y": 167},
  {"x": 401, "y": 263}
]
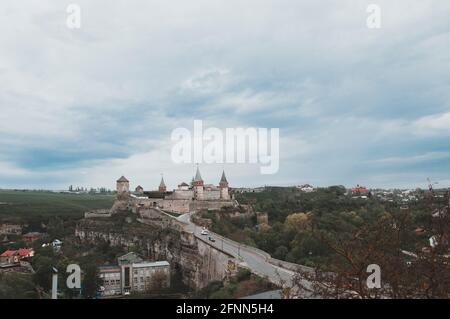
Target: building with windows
[
  {"x": 133, "y": 274},
  {"x": 110, "y": 280},
  {"x": 148, "y": 275},
  {"x": 10, "y": 229}
]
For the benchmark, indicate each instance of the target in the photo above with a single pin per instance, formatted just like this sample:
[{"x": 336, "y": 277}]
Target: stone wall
[
  {"x": 181, "y": 194},
  {"x": 157, "y": 218},
  {"x": 179, "y": 205},
  {"x": 211, "y": 194},
  {"x": 176, "y": 205},
  {"x": 98, "y": 213},
  {"x": 215, "y": 205}
]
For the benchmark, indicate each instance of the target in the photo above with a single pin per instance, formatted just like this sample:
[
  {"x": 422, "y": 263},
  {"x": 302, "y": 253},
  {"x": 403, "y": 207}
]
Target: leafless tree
[{"x": 423, "y": 271}]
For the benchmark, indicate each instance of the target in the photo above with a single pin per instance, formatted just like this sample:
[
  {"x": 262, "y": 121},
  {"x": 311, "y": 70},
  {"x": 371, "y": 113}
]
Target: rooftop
[
  {"x": 146, "y": 264},
  {"x": 32, "y": 234},
  {"x": 162, "y": 184},
  {"x": 109, "y": 268},
  {"x": 198, "y": 177},
  {"x": 129, "y": 258},
  {"x": 223, "y": 178},
  {"x": 122, "y": 180}
]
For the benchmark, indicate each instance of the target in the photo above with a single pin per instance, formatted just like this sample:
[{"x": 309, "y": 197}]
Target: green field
[{"x": 19, "y": 205}]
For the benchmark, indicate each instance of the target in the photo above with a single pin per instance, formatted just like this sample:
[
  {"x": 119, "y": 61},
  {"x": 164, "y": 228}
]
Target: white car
[{"x": 204, "y": 232}]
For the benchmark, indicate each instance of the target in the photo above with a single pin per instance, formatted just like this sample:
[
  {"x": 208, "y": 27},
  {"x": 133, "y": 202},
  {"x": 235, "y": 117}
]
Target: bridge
[{"x": 259, "y": 262}]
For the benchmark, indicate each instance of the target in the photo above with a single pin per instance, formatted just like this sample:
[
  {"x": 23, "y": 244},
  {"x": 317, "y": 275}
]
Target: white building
[{"x": 139, "y": 276}]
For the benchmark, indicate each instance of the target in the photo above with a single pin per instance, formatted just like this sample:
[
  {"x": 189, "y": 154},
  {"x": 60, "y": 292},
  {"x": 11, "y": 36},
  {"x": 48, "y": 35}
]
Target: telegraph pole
[{"x": 55, "y": 284}]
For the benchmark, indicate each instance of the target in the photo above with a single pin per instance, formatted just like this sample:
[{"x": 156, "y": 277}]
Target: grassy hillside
[{"x": 31, "y": 204}]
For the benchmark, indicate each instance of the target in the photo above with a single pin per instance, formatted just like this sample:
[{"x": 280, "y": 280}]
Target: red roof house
[{"x": 14, "y": 256}]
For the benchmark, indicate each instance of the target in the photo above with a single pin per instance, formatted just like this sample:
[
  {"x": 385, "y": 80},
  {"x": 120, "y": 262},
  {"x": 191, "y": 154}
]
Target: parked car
[
  {"x": 211, "y": 239},
  {"x": 204, "y": 231}
]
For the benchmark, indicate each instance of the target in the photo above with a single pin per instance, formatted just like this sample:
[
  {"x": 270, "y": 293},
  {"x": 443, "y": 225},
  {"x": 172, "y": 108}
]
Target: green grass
[{"x": 17, "y": 205}]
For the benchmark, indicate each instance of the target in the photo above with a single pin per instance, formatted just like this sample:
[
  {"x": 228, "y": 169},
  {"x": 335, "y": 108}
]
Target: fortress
[{"x": 186, "y": 198}]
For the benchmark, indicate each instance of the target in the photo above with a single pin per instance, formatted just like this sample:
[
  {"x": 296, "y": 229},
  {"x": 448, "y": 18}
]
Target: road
[{"x": 255, "y": 259}]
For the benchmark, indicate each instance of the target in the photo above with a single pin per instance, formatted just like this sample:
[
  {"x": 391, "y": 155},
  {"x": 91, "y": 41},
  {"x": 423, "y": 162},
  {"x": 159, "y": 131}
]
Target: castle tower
[
  {"x": 223, "y": 185},
  {"x": 162, "y": 186},
  {"x": 198, "y": 186},
  {"x": 123, "y": 185}
]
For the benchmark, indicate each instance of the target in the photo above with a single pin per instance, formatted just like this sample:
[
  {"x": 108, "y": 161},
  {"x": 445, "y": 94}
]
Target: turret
[
  {"x": 123, "y": 188},
  {"x": 223, "y": 185},
  {"x": 162, "y": 186},
  {"x": 197, "y": 184}
]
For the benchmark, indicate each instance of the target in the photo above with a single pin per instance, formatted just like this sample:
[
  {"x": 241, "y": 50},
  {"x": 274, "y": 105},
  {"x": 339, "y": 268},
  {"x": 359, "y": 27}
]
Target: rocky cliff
[{"x": 198, "y": 262}]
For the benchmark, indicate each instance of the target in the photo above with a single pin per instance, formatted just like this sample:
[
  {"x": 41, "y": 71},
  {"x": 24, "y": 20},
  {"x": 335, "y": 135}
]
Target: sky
[{"x": 354, "y": 105}]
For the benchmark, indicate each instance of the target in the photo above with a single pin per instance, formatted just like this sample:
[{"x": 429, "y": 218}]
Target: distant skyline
[{"x": 353, "y": 105}]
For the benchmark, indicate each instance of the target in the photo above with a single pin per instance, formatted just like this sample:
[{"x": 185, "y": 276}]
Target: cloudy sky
[{"x": 353, "y": 104}]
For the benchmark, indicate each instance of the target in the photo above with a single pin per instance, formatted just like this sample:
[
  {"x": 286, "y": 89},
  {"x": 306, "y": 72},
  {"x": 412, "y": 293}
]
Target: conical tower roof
[
  {"x": 162, "y": 184},
  {"x": 198, "y": 177},
  {"x": 223, "y": 179},
  {"x": 122, "y": 180}
]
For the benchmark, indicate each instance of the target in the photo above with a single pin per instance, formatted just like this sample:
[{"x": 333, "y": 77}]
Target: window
[{"x": 127, "y": 276}]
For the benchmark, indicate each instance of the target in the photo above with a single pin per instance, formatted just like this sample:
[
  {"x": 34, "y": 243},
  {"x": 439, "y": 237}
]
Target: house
[
  {"x": 433, "y": 241},
  {"x": 57, "y": 243},
  {"x": 359, "y": 189},
  {"x": 10, "y": 229},
  {"x": 306, "y": 188},
  {"x": 420, "y": 230},
  {"x": 15, "y": 256},
  {"x": 32, "y": 237},
  {"x": 26, "y": 253},
  {"x": 9, "y": 257}
]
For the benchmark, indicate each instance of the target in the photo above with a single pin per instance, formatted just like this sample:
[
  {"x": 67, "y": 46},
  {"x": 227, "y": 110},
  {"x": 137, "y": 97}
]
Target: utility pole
[{"x": 55, "y": 284}]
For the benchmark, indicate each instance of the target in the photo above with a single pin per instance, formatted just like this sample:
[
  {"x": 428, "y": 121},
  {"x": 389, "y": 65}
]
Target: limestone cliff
[{"x": 197, "y": 261}]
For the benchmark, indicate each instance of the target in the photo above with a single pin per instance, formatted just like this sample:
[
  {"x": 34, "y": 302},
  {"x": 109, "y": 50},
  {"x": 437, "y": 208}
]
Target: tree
[
  {"x": 158, "y": 281},
  {"x": 243, "y": 274},
  {"x": 91, "y": 280},
  {"x": 297, "y": 222},
  {"x": 43, "y": 266},
  {"x": 281, "y": 252},
  {"x": 382, "y": 243}
]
